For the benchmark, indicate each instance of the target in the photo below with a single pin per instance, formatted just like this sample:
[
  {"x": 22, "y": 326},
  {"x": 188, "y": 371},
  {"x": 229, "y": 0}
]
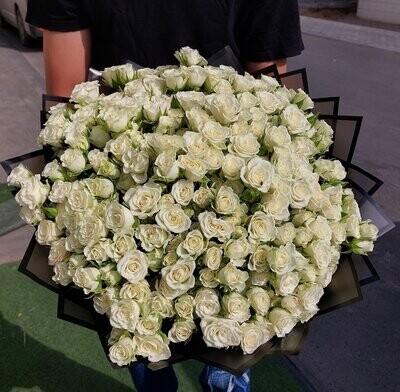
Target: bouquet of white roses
[{"x": 191, "y": 197}]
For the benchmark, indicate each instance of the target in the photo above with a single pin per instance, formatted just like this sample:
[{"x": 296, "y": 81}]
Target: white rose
[
  {"x": 208, "y": 278},
  {"x": 236, "y": 307},
  {"x": 258, "y": 174},
  {"x": 118, "y": 218},
  {"x": 330, "y": 170},
  {"x": 179, "y": 276},
  {"x": 226, "y": 201},
  {"x": 236, "y": 250},
  {"x": 96, "y": 157},
  {"x": 73, "y": 160},
  {"x": 99, "y": 187},
  {"x": 91, "y": 229},
  {"x": 309, "y": 295},
  {"x": 292, "y": 304},
  {"x": 47, "y": 232},
  {"x": 149, "y": 325},
  {"x": 79, "y": 198},
  {"x": 270, "y": 102},
  {"x": 75, "y": 261},
  {"x": 196, "y": 118},
  {"x": 139, "y": 291},
  {"x": 181, "y": 331},
  {"x": 193, "y": 245},
  {"x": 152, "y": 237},
  {"x": 173, "y": 219},
  {"x": 102, "y": 302},
  {"x": 261, "y": 227},
  {"x": 233, "y": 277},
  {"x": 220, "y": 332},
  {"x": 259, "y": 278},
  {"x": 166, "y": 166},
  {"x": 118, "y": 146},
  {"x": 361, "y": 247},
  {"x": 31, "y": 217},
  {"x": 59, "y": 191},
  {"x": 61, "y": 274},
  {"x": 211, "y": 226},
  {"x": 143, "y": 200},
  {"x": 286, "y": 284},
  {"x": 216, "y": 134},
  {"x": 259, "y": 300},
  {"x": 368, "y": 230},
  {"x": 282, "y": 321},
  {"x": 155, "y": 108},
  {"x": 58, "y": 253},
  {"x": 33, "y": 193},
  {"x": 245, "y": 146},
  {"x": 319, "y": 252},
  {"x": 87, "y": 278},
  {"x": 338, "y": 232},
  {"x": 212, "y": 258},
  {"x": 259, "y": 259},
  {"x": 281, "y": 260},
  {"x": 183, "y": 191},
  {"x": 285, "y": 233},
  {"x": 133, "y": 266},
  {"x": 276, "y": 205},
  {"x": 190, "y": 99},
  {"x": 206, "y": 302},
  {"x": 224, "y": 107},
  {"x": 253, "y": 337},
  {"x": 153, "y": 348},
  {"x": 175, "y": 79},
  {"x": 203, "y": 197},
  {"x": 320, "y": 228},
  {"x": 97, "y": 252},
  {"x": 19, "y": 175},
  {"x": 123, "y": 351},
  {"x": 85, "y": 93},
  {"x": 294, "y": 120},
  {"x": 188, "y": 56},
  {"x": 154, "y": 85},
  {"x": 231, "y": 166},
  {"x": 125, "y": 314},
  {"x": 184, "y": 306},
  {"x": 194, "y": 168},
  {"x": 118, "y": 75},
  {"x": 300, "y": 194},
  {"x": 277, "y": 137},
  {"x": 353, "y": 226},
  {"x": 98, "y": 136},
  {"x": 160, "y": 304}
]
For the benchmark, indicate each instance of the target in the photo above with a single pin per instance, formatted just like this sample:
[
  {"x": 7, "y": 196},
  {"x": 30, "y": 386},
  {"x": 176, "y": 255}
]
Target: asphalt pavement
[{"x": 353, "y": 349}]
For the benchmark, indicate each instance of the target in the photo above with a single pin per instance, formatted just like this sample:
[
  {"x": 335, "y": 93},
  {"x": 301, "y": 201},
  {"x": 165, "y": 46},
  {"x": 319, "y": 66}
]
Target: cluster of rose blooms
[{"x": 192, "y": 193}]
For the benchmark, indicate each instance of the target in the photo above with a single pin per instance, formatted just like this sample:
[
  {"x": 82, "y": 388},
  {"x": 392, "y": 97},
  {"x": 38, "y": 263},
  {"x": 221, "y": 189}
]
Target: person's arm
[
  {"x": 253, "y": 66},
  {"x": 66, "y": 60}
]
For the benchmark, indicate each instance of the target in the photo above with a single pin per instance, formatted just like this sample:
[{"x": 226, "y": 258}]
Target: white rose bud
[
  {"x": 85, "y": 93},
  {"x": 245, "y": 146},
  {"x": 152, "y": 237},
  {"x": 203, "y": 197},
  {"x": 309, "y": 295},
  {"x": 368, "y": 230},
  {"x": 232, "y": 165},
  {"x": 160, "y": 304},
  {"x": 61, "y": 274},
  {"x": 281, "y": 260},
  {"x": 259, "y": 259},
  {"x": 166, "y": 166},
  {"x": 258, "y": 174},
  {"x": 226, "y": 201},
  {"x": 294, "y": 120},
  {"x": 319, "y": 252},
  {"x": 269, "y": 102},
  {"x": 179, "y": 276},
  {"x": 320, "y": 228},
  {"x": 59, "y": 191},
  {"x": 253, "y": 337},
  {"x": 206, "y": 302},
  {"x": 259, "y": 300},
  {"x": 194, "y": 168},
  {"x": 188, "y": 56},
  {"x": 139, "y": 291},
  {"x": 286, "y": 284},
  {"x": 213, "y": 257}
]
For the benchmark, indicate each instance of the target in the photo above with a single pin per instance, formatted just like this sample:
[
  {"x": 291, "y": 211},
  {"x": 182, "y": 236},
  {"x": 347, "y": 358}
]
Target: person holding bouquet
[{"x": 79, "y": 34}]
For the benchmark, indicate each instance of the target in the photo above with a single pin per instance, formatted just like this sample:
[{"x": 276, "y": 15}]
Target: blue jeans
[{"x": 212, "y": 379}]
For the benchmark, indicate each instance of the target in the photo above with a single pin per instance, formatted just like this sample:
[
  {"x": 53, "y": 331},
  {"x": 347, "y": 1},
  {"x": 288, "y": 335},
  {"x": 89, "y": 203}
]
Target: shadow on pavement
[{"x": 26, "y": 363}]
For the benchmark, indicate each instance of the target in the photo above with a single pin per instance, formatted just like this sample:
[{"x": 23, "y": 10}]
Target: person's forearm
[
  {"x": 66, "y": 60},
  {"x": 252, "y": 66}
]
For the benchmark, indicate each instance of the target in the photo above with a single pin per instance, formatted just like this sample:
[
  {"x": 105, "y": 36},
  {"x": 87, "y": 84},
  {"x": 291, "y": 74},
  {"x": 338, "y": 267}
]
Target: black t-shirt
[{"x": 148, "y": 32}]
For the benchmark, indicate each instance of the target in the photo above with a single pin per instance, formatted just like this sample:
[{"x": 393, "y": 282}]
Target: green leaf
[{"x": 51, "y": 212}]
